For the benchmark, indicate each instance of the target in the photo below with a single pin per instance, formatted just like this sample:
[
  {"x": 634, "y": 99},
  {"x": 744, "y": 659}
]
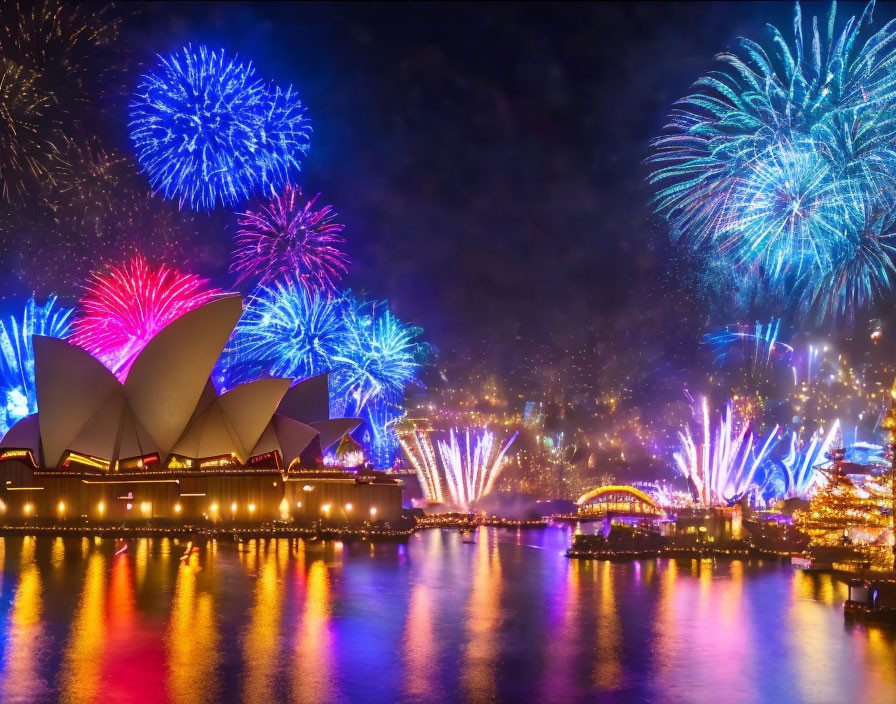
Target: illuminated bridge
[{"x": 617, "y": 501}]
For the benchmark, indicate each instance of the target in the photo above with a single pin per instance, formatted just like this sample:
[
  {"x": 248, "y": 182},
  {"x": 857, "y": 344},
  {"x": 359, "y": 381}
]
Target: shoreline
[{"x": 233, "y": 533}]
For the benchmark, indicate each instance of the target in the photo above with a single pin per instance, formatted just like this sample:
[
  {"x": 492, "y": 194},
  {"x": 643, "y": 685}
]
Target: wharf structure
[{"x": 165, "y": 445}]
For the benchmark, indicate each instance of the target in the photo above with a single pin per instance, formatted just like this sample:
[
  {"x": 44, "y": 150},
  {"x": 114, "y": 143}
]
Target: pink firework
[
  {"x": 122, "y": 310},
  {"x": 287, "y": 234}
]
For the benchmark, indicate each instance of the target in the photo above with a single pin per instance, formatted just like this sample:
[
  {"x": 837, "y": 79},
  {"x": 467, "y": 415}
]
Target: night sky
[{"x": 487, "y": 159}]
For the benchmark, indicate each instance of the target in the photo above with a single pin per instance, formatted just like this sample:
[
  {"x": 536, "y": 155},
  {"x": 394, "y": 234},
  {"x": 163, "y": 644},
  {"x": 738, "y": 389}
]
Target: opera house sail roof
[{"x": 167, "y": 410}]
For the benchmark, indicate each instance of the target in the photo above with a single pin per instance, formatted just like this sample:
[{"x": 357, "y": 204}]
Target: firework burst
[
  {"x": 68, "y": 45},
  {"x": 380, "y": 358},
  {"x": 722, "y": 465},
  {"x": 17, "y": 390},
  {"x": 207, "y": 131},
  {"x": 800, "y": 467},
  {"x": 776, "y": 162},
  {"x": 288, "y": 234},
  {"x": 286, "y": 331},
  {"x": 472, "y": 464},
  {"x": 418, "y": 447},
  {"x": 123, "y": 309},
  {"x": 28, "y": 135}
]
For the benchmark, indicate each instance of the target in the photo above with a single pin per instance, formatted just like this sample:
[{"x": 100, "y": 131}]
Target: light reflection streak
[
  {"x": 19, "y": 679},
  {"x": 483, "y": 620},
  {"x": 261, "y": 640},
  {"x": 607, "y": 666},
  {"x": 811, "y": 647},
  {"x": 193, "y": 643},
  {"x": 141, "y": 561},
  {"x": 560, "y": 658},
  {"x": 420, "y": 643},
  {"x": 57, "y": 553},
  {"x": 313, "y": 659},
  {"x": 81, "y": 664}
]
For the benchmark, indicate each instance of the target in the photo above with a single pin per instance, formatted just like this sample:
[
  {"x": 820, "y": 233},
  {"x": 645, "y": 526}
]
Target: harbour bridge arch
[{"x": 618, "y": 500}]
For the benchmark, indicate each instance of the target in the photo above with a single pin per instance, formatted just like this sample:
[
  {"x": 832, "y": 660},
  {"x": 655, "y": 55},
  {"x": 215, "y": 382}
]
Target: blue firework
[
  {"x": 780, "y": 163},
  {"x": 286, "y": 332},
  {"x": 18, "y": 397},
  {"x": 208, "y": 131},
  {"x": 380, "y": 358}
]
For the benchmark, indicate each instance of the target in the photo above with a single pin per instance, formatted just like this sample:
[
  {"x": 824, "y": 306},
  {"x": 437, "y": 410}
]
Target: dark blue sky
[{"x": 486, "y": 158}]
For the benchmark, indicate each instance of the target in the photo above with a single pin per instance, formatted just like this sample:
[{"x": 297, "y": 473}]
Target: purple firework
[{"x": 287, "y": 234}]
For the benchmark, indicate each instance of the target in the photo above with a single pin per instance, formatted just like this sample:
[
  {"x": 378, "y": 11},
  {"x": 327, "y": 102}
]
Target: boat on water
[
  {"x": 467, "y": 536},
  {"x": 871, "y": 600}
]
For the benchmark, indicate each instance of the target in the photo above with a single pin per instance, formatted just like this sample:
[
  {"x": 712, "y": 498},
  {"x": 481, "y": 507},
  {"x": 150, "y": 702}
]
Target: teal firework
[{"x": 780, "y": 163}]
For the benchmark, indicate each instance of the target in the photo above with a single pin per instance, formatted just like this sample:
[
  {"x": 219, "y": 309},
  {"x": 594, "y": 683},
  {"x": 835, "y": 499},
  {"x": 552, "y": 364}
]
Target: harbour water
[{"x": 507, "y": 618}]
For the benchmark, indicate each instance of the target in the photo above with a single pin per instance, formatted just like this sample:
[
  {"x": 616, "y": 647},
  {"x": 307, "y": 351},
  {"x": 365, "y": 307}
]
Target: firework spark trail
[
  {"x": 801, "y": 463},
  {"x": 122, "y": 310},
  {"x": 30, "y": 137},
  {"x": 19, "y": 397},
  {"x": 471, "y": 468},
  {"x": 423, "y": 458},
  {"x": 761, "y": 340},
  {"x": 723, "y": 466}
]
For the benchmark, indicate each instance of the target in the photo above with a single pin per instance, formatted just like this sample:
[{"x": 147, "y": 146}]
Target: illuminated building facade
[{"x": 163, "y": 444}]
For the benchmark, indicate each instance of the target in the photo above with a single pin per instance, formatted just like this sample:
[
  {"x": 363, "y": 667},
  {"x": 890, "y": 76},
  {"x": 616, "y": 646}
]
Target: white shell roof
[{"x": 167, "y": 404}]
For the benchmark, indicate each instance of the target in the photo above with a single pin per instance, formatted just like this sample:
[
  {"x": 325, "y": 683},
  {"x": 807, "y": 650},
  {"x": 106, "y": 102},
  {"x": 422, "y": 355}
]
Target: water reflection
[
  {"x": 607, "y": 667},
  {"x": 21, "y": 679},
  {"x": 313, "y": 679},
  {"x": 80, "y": 673},
  {"x": 483, "y": 619},
  {"x": 261, "y": 645},
  {"x": 438, "y": 620},
  {"x": 192, "y": 637}
]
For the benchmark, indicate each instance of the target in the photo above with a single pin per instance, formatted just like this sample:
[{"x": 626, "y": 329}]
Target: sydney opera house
[{"x": 164, "y": 444}]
